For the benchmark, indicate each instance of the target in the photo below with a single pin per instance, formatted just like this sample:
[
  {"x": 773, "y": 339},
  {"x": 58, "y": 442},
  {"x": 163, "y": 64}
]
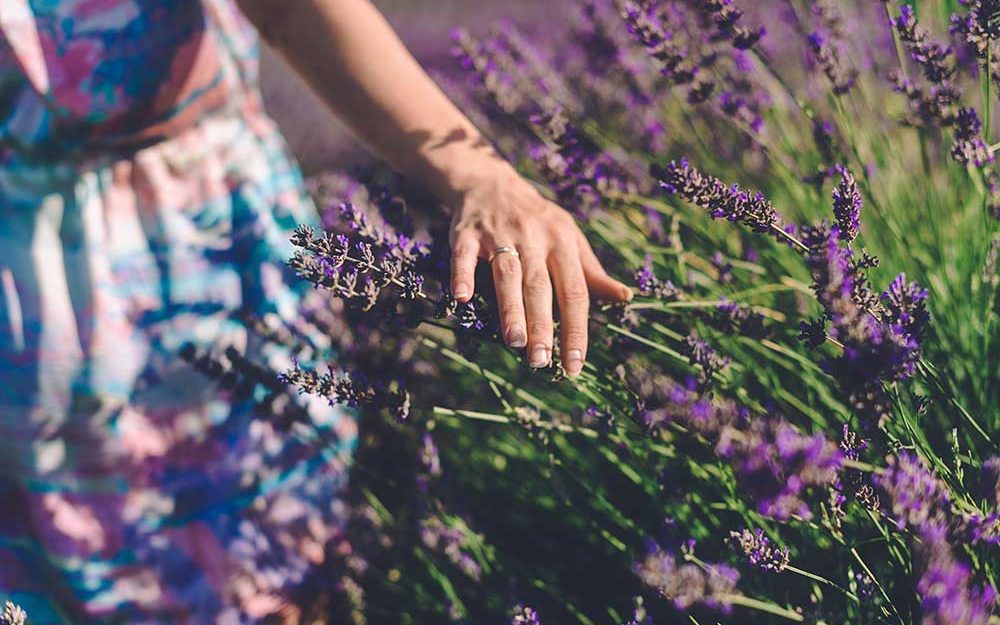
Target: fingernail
[
  {"x": 539, "y": 356},
  {"x": 573, "y": 363},
  {"x": 516, "y": 337},
  {"x": 462, "y": 291}
]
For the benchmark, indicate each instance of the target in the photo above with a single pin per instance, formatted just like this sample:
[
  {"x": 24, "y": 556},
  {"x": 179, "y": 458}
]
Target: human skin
[{"x": 351, "y": 57}]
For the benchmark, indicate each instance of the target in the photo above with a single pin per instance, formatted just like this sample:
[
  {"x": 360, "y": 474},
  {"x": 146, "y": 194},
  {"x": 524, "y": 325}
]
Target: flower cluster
[
  {"x": 705, "y": 359},
  {"x": 722, "y": 201},
  {"x": 775, "y": 463},
  {"x": 740, "y": 452},
  {"x": 877, "y": 347},
  {"x": 734, "y": 318},
  {"x": 921, "y": 502},
  {"x": 847, "y": 205},
  {"x": 933, "y": 58},
  {"x": 726, "y": 16},
  {"x": 453, "y": 541},
  {"x": 686, "y": 585},
  {"x": 525, "y": 615},
  {"x": 842, "y": 78},
  {"x": 979, "y": 26},
  {"x": 758, "y": 550}
]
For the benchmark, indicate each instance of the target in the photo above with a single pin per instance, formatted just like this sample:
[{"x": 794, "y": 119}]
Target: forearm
[{"x": 351, "y": 57}]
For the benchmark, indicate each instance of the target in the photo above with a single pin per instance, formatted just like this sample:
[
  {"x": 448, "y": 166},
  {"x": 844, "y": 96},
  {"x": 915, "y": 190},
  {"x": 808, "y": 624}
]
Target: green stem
[
  {"x": 762, "y": 606},
  {"x": 495, "y": 418},
  {"x": 822, "y": 580}
]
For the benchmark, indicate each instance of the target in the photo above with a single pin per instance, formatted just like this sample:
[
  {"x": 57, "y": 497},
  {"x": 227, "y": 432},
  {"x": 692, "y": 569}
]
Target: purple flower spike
[
  {"x": 525, "y": 615},
  {"x": 947, "y": 596},
  {"x": 934, "y": 59},
  {"x": 919, "y": 499},
  {"x": 847, "y": 205},
  {"x": 722, "y": 201},
  {"x": 991, "y": 480},
  {"x": 979, "y": 26},
  {"x": 687, "y": 585},
  {"x": 828, "y": 58},
  {"x": 968, "y": 146},
  {"x": 758, "y": 550}
]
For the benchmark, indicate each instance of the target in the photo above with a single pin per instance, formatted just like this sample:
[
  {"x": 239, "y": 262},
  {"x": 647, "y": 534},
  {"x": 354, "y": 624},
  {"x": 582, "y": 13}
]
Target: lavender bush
[{"x": 795, "y": 420}]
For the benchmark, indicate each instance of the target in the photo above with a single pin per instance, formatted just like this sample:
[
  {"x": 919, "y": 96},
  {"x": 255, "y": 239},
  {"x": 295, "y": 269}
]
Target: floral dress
[{"x": 145, "y": 204}]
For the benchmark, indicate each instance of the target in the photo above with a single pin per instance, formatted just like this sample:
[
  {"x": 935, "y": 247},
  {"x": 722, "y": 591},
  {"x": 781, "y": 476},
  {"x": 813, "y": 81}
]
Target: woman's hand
[
  {"x": 349, "y": 54},
  {"x": 509, "y": 212}
]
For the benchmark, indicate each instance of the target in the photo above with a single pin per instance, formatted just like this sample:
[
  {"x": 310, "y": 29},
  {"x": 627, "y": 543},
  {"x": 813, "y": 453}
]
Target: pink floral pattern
[{"x": 145, "y": 200}]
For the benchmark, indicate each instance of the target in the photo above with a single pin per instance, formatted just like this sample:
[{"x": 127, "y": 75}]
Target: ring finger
[{"x": 506, "y": 267}]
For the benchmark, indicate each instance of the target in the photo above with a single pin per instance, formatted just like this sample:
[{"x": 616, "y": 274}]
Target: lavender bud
[
  {"x": 525, "y": 615},
  {"x": 686, "y": 585},
  {"x": 968, "y": 146},
  {"x": 758, "y": 550},
  {"x": 847, "y": 205},
  {"x": 701, "y": 356},
  {"x": 825, "y": 52},
  {"x": 720, "y": 200}
]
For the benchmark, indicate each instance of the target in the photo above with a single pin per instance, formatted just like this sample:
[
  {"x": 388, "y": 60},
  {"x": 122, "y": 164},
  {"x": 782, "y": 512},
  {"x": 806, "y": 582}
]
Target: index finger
[{"x": 566, "y": 269}]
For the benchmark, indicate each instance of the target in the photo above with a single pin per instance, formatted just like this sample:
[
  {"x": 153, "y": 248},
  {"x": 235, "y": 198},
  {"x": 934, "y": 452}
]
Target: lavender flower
[
  {"x": 672, "y": 59},
  {"x": 758, "y": 550},
  {"x": 825, "y": 52},
  {"x": 991, "y": 480},
  {"x": 721, "y": 201},
  {"x": 933, "y": 58},
  {"x": 727, "y": 16},
  {"x": 576, "y": 169},
  {"x": 735, "y": 318},
  {"x": 905, "y": 307},
  {"x": 983, "y": 529},
  {"x": 701, "y": 356},
  {"x": 525, "y": 615},
  {"x": 876, "y": 349},
  {"x": 453, "y": 541},
  {"x": 847, "y": 205},
  {"x": 349, "y": 390},
  {"x": 934, "y": 106},
  {"x": 979, "y": 26},
  {"x": 776, "y": 464},
  {"x": 968, "y": 146},
  {"x": 687, "y": 585},
  {"x": 918, "y": 498},
  {"x": 921, "y": 502},
  {"x": 651, "y": 286},
  {"x": 947, "y": 595}
]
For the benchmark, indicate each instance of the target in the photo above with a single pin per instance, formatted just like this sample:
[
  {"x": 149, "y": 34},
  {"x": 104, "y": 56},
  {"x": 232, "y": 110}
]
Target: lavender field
[{"x": 797, "y": 417}]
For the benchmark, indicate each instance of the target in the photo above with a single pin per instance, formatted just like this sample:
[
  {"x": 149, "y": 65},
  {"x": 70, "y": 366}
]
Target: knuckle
[
  {"x": 573, "y": 336},
  {"x": 563, "y": 239},
  {"x": 462, "y": 251},
  {"x": 576, "y": 294},
  {"x": 506, "y": 265},
  {"x": 540, "y": 330},
  {"x": 537, "y": 282}
]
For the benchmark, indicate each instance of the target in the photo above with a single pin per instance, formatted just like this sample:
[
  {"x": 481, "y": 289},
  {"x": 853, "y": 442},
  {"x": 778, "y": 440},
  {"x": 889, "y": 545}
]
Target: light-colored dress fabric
[{"x": 146, "y": 200}]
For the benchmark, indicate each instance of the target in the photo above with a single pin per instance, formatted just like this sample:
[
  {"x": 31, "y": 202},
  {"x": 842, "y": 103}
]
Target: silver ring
[{"x": 503, "y": 249}]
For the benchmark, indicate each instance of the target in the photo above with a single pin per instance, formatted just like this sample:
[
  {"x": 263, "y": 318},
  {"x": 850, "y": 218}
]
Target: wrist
[{"x": 496, "y": 178}]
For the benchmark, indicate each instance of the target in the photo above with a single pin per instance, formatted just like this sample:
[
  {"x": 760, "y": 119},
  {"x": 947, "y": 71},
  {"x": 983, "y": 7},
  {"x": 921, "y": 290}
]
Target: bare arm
[{"x": 351, "y": 57}]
